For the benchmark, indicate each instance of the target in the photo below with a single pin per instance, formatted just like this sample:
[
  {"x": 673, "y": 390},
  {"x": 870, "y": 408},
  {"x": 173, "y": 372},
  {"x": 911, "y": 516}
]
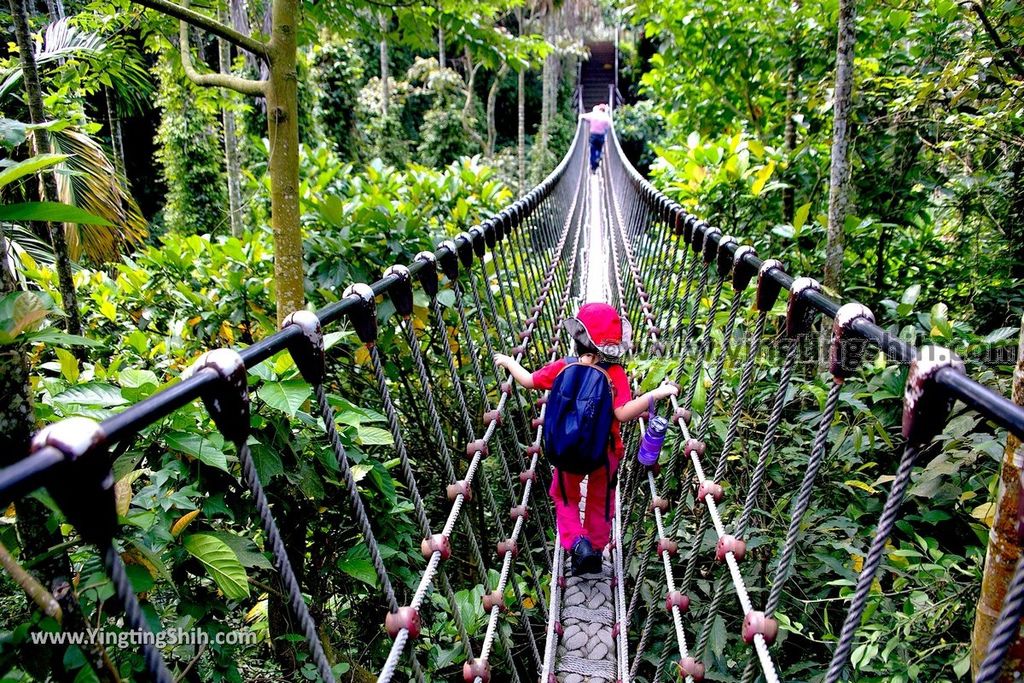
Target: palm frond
[
  {"x": 23, "y": 240},
  {"x": 88, "y": 180},
  {"x": 61, "y": 40}
]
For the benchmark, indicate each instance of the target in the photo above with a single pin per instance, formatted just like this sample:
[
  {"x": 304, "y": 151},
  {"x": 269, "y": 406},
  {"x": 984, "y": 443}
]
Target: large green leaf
[
  {"x": 53, "y": 212},
  {"x": 244, "y": 548},
  {"x": 29, "y": 166},
  {"x": 55, "y": 337},
  {"x": 287, "y": 396},
  {"x": 374, "y": 436},
  {"x": 198, "y": 447},
  {"x": 21, "y": 312},
  {"x": 92, "y": 394},
  {"x": 221, "y": 562},
  {"x": 356, "y": 563}
]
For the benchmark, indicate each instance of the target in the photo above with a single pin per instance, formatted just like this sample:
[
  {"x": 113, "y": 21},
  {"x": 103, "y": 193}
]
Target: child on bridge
[
  {"x": 590, "y": 396},
  {"x": 600, "y": 122}
]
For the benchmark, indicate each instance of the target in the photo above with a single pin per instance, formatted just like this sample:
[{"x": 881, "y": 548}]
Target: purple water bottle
[{"x": 654, "y": 438}]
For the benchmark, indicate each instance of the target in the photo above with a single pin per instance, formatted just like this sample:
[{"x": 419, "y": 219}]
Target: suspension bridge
[{"x": 686, "y": 287}]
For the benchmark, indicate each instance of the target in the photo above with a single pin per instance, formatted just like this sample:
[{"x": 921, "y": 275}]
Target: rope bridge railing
[
  {"x": 528, "y": 252},
  {"x": 655, "y": 241}
]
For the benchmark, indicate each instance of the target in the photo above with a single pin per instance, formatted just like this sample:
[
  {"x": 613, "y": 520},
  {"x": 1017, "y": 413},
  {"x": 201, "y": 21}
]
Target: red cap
[{"x": 601, "y": 326}]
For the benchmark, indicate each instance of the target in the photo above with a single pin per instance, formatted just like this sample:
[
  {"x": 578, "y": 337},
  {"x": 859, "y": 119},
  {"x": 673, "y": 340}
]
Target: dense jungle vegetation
[{"x": 171, "y": 186}]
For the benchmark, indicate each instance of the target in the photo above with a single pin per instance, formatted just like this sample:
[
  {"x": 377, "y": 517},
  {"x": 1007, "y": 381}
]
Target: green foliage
[
  {"x": 932, "y": 206},
  {"x": 358, "y": 224},
  {"x": 337, "y": 71},
  {"x": 189, "y": 153}
]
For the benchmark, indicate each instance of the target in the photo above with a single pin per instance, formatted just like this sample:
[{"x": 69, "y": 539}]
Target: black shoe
[{"x": 585, "y": 560}]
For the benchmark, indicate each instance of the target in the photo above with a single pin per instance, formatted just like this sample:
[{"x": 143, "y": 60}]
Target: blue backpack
[{"x": 578, "y": 420}]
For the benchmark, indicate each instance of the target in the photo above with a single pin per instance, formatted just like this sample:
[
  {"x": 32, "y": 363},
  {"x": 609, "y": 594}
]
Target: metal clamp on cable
[
  {"x": 667, "y": 545},
  {"x": 460, "y": 488},
  {"x": 680, "y": 219},
  {"x": 527, "y": 475},
  {"x": 709, "y": 244},
  {"x": 363, "y": 315},
  {"x": 710, "y": 488},
  {"x": 519, "y": 511},
  {"x": 677, "y": 599},
  {"x": 427, "y": 274},
  {"x": 688, "y": 666},
  {"x": 846, "y": 354},
  {"x": 83, "y": 484},
  {"x": 438, "y": 543},
  {"x": 730, "y": 544},
  {"x": 725, "y": 259},
  {"x": 694, "y": 446},
  {"x": 489, "y": 237},
  {"x": 759, "y": 624},
  {"x": 479, "y": 446},
  {"x": 925, "y": 406},
  {"x": 697, "y": 238},
  {"x": 688, "y": 224},
  {"x": 507, "y": 546},
  {"x": 799, "y": 313},
  {"x": 228, "y": 401},
  {"x": 742, "y": 270},
  {"x": 449, "y": 260},
  {"x": 307, "y": 348},
  {"x": 465, "y": 248},
  {"x": 492, "y": 600},
  {"x": 401, "y": 291},
  {"x": 474, "y": 669},
  {"x": 659, "y": 503},
  {"x": 407, "y": 618},
  {"x": 768, "y": 288},
  {"x": 476, "y": 234}
]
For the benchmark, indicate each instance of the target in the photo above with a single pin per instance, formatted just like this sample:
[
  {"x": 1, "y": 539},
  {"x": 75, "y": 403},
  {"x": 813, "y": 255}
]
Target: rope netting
[
  {"x": 512, "y": 281},
  {"x": 654, "y": 242}
]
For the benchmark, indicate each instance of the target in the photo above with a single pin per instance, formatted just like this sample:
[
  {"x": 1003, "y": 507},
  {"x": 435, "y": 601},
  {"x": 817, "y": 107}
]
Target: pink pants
[{"x": 596, "y": 527}]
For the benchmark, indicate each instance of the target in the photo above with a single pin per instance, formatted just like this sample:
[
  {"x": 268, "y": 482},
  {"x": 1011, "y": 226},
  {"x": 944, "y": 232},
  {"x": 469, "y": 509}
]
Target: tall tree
[
  {"x": 1004, "y": 547},
  {"x": 280, "y": 88},
  {"x": 48, "y": 186},
  {"x": 789, "y": 132},
  {"x": 839, "y": 176},
  {"x": 232, "y": 164},
  {"x": 521, "y": 113}
]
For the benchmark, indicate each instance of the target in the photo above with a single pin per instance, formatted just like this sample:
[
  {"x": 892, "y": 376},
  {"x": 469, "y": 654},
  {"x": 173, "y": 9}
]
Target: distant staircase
[{"x": 597, "y": 74}]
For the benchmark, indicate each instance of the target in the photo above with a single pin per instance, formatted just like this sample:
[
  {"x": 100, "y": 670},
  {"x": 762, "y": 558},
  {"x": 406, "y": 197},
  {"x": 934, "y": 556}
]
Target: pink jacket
[{"x": 600, "y": 122}]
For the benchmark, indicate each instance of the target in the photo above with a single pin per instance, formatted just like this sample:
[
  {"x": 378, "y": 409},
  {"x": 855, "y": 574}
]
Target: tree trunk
[
  {"x": 492, "y": 99},
  {"x": 440, "y": 46},
  {"x": 17, "y": 422},
  {"x": 789, "y": 134},
  {"x": 549, "y": 74},
  {"x": 384, "y": 67},
  {"x": 839, "y": 183},
  {"x": 1004, "y": 543},
  {"x": 116, "y": 141},
  {"x": 231, "y": 162},
  {"x": 283, "y": 129},
  {"x": 1014, "y": 225},
  {"x": 1004, "y": 547},
  {"x": 48, "y": 189},
  {"x": 521, "y": 107}
]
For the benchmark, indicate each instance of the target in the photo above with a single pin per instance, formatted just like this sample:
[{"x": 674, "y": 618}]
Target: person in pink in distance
[
  {"x": 600, "y": 122},
  {"x": 590, "y": 396}
]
